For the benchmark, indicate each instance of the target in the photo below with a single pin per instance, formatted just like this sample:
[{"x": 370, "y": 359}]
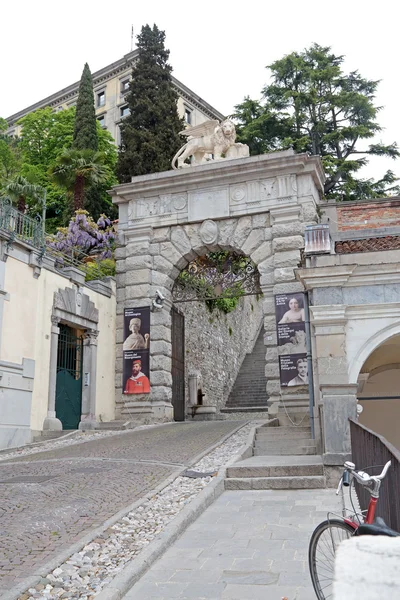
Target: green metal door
[{"x": 69, "y": 378}]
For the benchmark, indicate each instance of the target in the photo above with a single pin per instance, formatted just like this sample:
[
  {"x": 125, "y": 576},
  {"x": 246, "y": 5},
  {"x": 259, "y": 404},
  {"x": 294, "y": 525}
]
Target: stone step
[
  {"x": 276, "y": 483},
  {"x": 251, "y": 402},
  {"x": 265, "y": 470},
  {"x": 300, "y": 450},
  {"x": 280, "y": 432},
  {"x": 283, "y": 443},
  {"x": 282, "y": 440},
  {"x": 232, "y": 409}
]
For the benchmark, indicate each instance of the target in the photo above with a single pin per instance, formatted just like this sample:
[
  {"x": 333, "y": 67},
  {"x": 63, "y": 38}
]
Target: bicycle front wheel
[{"x": 321, "y": 554}]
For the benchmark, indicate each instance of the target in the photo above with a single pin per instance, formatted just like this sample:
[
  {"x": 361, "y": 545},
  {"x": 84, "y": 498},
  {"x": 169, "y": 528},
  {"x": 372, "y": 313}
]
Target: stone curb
[
  {"x": 42, "y": 571},
  {"x": 123, "y": 582},
  {"x": 71, "y": 434}
]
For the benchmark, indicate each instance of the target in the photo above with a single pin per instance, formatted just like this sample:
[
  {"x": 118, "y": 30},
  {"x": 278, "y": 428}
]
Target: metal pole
[
  {"x": 309, "y": 365},
  {"x": 44, "y": 214}
]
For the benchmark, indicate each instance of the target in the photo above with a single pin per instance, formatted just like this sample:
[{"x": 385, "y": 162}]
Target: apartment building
[{"x": 111, "y": 85}]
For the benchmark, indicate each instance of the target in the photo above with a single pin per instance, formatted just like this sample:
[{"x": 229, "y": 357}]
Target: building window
[
  {"x": 125, "y": 85},
  {"x": 124, "y": 111},
  {"x": 101, "y": 99},
  {"x": 102, "y": 120},
  {"x": 188, "y": 116}
]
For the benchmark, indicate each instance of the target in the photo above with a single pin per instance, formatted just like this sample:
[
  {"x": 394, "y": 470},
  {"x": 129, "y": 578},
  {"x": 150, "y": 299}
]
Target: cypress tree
[
  {"x": 85, "y": 133},
  {"x": 150, "y": 133}
]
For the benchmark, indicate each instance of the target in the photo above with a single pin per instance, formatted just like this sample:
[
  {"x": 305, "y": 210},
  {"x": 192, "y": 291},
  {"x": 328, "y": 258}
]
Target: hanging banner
[
  {"x": 291, "y": 336},
  {"x": 293, "y": 370},
  {"x": 136, "y": 351}
]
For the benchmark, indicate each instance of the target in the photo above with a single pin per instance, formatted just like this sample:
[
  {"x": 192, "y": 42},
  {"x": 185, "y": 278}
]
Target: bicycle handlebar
[{"x": 362, "y": 477}]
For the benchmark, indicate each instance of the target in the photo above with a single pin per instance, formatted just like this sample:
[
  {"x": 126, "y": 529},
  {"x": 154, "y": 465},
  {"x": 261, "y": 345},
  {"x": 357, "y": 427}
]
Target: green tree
[
  {"x": 150, "y": 133},
  {"x": 44, "y": 136},
  {"x": 76, "y": 170},
  {"x": 21, "y": 191},
  {"x": 313, "y": 106},
  {"x": 10, "y": 155},
  {"x": 85, "y": 130}
]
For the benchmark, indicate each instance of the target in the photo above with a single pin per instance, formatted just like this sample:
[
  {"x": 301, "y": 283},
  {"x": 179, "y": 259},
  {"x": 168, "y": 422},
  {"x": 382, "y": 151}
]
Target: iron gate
[
  {"x": 178, "y": 364},
  {"x": 69, "y": 378}
]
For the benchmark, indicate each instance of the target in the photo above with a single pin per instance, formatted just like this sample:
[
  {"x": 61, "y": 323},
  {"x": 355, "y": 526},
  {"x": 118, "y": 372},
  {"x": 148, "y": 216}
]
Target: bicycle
[{"x": 330, "y": 533}]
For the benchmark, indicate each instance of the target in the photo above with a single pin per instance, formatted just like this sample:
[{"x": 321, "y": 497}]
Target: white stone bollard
[{"x": 367, "y": 567}]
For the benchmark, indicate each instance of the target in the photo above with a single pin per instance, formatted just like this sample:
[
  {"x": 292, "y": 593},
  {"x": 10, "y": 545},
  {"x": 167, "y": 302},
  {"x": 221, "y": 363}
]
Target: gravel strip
[{"x": 87, "y": 572}]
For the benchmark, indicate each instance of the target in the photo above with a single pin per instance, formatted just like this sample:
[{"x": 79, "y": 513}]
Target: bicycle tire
[{"x": 324, "y": 541}]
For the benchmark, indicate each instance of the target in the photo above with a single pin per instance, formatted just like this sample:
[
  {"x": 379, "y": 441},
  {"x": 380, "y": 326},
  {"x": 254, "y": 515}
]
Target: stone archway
[
  {"x": 256, "y": 206},
  {"x": 220, "y": 299},
  {"x": 379, "y": 390}
]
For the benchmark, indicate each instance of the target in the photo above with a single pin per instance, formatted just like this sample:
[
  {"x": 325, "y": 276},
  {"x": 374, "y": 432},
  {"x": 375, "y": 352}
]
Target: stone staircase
[
  {"x": 283, "y": 458},
  {"x": 248, "y": 393}
]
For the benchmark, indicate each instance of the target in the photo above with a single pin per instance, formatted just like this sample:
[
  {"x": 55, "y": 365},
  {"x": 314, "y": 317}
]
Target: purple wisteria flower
[{"x": 84, "y": 236}]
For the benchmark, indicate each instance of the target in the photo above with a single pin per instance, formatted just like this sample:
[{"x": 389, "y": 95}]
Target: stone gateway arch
[{"x": 256, "y": 206}]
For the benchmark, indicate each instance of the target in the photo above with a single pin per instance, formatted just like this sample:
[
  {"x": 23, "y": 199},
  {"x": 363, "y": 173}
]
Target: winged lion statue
[{"x": 209, "y": 138}]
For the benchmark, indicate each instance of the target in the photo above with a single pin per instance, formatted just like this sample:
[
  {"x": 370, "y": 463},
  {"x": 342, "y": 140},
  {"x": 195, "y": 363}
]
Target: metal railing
[
  {"x": 21, "y": 226},
  {"x": 370, "y": 451},
  {"x": 89, "y": 264}
]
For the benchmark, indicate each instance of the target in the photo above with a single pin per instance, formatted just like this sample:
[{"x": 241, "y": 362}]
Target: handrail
[{"x": 21, "y": 226}]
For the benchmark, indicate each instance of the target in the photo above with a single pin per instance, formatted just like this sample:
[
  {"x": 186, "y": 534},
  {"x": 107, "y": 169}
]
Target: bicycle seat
[{"x": 377, "y": 528}]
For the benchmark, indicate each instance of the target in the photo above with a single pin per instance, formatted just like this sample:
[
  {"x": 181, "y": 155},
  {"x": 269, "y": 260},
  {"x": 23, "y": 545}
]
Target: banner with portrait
[
  {"x": 136, "y": 351},
  {"x": 293, "y": 370},
  {"x": 291, "y": 336}
]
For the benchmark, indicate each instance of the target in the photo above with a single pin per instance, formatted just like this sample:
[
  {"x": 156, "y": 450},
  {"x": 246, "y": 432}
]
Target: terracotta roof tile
[{"x": 389, "y": 242}]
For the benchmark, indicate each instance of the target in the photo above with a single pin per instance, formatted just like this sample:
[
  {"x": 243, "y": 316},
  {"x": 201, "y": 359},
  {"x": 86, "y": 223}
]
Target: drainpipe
[{"x": 309, "y": 364}]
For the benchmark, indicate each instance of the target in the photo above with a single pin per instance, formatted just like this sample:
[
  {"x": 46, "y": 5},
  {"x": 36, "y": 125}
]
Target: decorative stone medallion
[{"x": 209, "y": 232}]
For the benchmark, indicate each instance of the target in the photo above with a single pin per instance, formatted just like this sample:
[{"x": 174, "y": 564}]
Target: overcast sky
[{"x": 219, "y": 49}]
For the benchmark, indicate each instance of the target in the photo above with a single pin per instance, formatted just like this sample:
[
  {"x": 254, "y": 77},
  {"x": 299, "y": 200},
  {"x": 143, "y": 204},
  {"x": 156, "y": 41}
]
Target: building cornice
[
  {"x": 220, "y": 173},
  {"x": 349, "y": 275}
]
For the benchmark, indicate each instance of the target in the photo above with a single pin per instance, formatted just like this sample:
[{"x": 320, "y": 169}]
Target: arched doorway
[
  {"x": 216, "y": 319},
  {"x": 379, "y": 390}
]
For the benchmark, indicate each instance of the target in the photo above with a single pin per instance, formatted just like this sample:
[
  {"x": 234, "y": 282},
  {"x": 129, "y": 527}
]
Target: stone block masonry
[
  {"x": 217, "y": 343},
  {"x": 257, "y": 207}
]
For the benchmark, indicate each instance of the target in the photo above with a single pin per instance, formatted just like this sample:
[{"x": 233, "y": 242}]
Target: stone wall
[
  {"x": 216, "y": 344},
  {"x": 256, "y": 206}
]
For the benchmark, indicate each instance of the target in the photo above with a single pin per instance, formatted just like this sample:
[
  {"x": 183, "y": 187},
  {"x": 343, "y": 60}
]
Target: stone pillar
[
  {"x": 88, "y": 418},
  {"x": 287, "y": 240},
  {"x": 141, "y": 272},
  {"x": 339, "y": 403},
  {"x": 51, "y": 422}
]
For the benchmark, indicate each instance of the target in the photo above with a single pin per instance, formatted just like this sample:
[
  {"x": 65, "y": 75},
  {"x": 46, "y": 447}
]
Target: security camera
[{"x": 158, "y": 301}]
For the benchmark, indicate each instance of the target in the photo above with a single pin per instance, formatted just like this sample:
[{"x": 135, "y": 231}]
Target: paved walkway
[
  {"x": 52, "y": 499},
  {"x": 249, "y": 545}
]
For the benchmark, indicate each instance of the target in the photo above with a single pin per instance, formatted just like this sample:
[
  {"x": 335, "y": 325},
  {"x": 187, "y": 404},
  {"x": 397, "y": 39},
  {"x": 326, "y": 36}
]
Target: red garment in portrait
[{"x": 137, "y": 385}]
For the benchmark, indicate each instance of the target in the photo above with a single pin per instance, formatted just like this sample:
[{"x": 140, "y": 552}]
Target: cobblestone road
[{"x": 51, "y": 499}]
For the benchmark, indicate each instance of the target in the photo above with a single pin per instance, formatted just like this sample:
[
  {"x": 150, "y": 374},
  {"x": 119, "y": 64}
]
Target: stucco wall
[
  {"x": 216, "y": 344},
  {"x": 26, "y": 333}
]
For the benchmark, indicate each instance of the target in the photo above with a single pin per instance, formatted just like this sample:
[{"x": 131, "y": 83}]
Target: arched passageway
[{"x": 379, "y": 390}]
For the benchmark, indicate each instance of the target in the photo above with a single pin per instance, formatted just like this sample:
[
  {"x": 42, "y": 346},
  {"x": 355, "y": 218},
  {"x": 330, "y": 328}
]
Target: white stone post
[
  {"x": 51, "y": 422},
  {"x": 88, "y": 420}
]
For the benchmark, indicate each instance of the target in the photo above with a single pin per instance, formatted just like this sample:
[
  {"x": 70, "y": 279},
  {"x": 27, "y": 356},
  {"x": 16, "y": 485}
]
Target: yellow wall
[
  {"x": 19, "y": 316},
  {"x": 27, "y": 331}
]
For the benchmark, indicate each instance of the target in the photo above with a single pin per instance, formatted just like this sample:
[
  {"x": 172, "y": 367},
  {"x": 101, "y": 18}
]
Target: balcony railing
[
  {"x": 21, "y": 226},
  {"x": 29, "y": 230}
]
